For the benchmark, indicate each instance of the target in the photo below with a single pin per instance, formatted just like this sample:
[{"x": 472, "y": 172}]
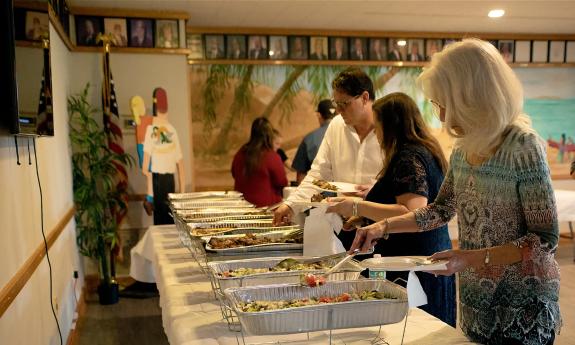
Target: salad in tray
[{"x": 257, "y": 306}]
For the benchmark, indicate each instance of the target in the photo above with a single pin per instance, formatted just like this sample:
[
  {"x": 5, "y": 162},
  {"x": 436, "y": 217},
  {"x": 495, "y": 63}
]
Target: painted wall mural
[{"x": 226, "y": 98}]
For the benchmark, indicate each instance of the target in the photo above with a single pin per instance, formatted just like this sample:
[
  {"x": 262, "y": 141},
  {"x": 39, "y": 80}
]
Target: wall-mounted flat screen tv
[{"x": 25, "y": 83}]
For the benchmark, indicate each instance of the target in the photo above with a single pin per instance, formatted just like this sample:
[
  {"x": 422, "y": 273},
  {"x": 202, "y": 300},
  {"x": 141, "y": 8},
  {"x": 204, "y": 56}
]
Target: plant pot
[{"x": 108, "y": 293}]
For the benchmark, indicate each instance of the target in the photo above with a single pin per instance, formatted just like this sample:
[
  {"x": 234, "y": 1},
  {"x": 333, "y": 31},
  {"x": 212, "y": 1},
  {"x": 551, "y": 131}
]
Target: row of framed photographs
[
  {"x": 537, "y": 51},
  {"x": 128, "y": 32},
  {"x": 263, "y": 47}
]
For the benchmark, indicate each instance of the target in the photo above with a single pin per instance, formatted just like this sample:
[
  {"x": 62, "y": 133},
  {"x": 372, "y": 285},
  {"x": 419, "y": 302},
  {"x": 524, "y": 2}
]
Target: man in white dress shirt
[{"x": 349, "y": 151}]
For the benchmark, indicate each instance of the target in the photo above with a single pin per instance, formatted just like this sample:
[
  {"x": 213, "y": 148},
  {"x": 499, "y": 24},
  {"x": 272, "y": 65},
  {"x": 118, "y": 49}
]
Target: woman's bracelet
[
  {"x": 354, "y": 208},
  {"x": 385, "y": 234}
]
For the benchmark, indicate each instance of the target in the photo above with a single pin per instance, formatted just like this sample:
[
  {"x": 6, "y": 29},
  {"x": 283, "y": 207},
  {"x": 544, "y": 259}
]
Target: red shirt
[{"x": 264, "y": 186}]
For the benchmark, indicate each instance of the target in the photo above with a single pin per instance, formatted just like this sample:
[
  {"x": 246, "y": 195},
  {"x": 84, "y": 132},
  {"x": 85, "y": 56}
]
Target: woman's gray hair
[{"x": 481, "y": 94}]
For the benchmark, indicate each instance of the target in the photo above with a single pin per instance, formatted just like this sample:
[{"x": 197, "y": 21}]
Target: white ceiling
[{"x": 539, "y": 16}]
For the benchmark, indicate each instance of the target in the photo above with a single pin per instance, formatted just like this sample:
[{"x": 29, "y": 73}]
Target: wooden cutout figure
[
  {"x": 162, "y": 148},
  {"x": 142, "y": 120}
]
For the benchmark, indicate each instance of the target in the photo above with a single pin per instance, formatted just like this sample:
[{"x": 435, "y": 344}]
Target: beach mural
[
  {"x": 226, "y": 98},
  {"x": 550, "y": 102}
]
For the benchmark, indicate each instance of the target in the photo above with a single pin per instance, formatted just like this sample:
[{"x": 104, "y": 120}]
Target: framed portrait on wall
[
  {"x": 236, "y": 47},
  {"x": 278, "y": 47},
  {"x": 258, "y": 47},
  {"x": 141, "y": 33},
  {"x": 36, "y": 25},
  {"x": 522, "y": 51},
  {"x": 167, "y": 34},
  {"x": 298, "y": 47},
  {"x": 118, "y": 29},
  {"x": 338, "y": 48},
  {"x": 358, "y": 48},
  {"x": 432, "y": 46},
  {"x": 506, "y": 48},
  {"x": 377, "y": 49},
  {"x": 539, "y": 51},
  {"x": 570, "y": 51},
  {"x": 557, "y": 51},
  {"x": 195, "y": 46},
  {"x": 214, "y": 47},
  {"x": 397, "y": 49},
  {"x": 415, "y": 50},
  {"x": 87, "y": 30},
  {"x": 318, "y": 48}
]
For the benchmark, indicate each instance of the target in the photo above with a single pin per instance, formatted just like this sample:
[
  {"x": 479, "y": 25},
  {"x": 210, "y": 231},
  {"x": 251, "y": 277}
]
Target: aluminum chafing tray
[
  {"x": 349, "y": 271},
  {"x": 210, "y": 203},
  {"x": 196, "y": 231},
  {"x": 207, "y": 194},
  {"x": 191, "y": 214},
  {"x": 256, "y": 217},
  {"x": 328, "y": 316},
  {"x": 275, "y": 235}
]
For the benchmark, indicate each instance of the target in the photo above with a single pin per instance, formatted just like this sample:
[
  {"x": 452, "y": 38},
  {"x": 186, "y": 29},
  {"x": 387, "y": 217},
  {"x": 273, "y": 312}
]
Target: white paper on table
[
  {"x": 318, "y": 236},
  {"x": 415, "y": 294}
]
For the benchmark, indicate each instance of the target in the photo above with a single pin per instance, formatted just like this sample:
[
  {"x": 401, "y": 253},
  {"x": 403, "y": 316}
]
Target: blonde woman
[{"x": 499, "y": 186}]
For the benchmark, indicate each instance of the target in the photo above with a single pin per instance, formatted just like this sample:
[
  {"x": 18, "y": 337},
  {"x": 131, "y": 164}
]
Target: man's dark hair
[
  {"x": 326, "y": 109},
  {"x": 353, "y": 81}
]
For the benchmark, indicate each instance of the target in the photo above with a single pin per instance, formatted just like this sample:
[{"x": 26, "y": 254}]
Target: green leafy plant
[{"x": 95, "y": 185}]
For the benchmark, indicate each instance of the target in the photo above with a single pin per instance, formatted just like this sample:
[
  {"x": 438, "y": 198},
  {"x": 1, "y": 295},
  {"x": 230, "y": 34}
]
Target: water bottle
[{"x": 376, "y": 274}]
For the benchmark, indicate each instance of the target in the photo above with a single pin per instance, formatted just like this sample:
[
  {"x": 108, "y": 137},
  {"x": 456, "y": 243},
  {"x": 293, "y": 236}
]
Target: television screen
[{"x": 25, "y": 67}]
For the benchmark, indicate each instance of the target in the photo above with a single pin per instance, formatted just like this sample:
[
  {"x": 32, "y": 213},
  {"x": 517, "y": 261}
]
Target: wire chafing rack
[
  {"x": 349, "y": 271},
  {"x": 322, "y": 317}
]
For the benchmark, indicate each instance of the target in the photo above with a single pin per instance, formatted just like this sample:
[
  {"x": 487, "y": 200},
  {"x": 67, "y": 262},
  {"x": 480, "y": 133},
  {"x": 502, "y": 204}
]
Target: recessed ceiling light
[
  {"x": 401, "y": 43},
  {"x": 496, "y": 13}
]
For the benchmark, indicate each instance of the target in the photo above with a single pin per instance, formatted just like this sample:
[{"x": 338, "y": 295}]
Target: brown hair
[
  {"x": 402, "y": 124},
  {"x": 261, "y": 139}
]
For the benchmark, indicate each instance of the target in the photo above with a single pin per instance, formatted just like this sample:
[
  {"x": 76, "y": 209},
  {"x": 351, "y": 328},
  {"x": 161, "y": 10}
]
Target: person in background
[
  {"x": 573, "y": 169},
  {"x": 309, "y": 146},
  {"x": 349, "y": 151},
  {"x": 411, "y": 176},
  {"x": 257, "y": 169},
  {"x": 498, "y": 184}
]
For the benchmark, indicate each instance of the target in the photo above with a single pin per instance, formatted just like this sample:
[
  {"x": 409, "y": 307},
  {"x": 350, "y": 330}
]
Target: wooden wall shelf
[{"x": 96, "y": 49}]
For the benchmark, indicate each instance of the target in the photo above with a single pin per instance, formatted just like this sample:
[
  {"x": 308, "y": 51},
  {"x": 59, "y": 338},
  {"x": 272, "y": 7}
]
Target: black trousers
[{"x": 162, "y": 184}]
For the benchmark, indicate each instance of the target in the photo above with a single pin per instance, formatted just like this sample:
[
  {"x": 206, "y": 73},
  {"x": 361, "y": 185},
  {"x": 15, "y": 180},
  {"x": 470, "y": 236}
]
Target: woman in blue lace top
[{"x": 498, "y": 184}]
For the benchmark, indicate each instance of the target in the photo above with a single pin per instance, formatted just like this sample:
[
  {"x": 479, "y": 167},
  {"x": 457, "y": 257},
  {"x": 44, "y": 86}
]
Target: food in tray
[
  {"x": 317, "y": 197},
  {"x": 312, "y": 280},
  {"x": 249, "y": 240},
  {"x": 256, "y": 306},
  {"x": 209, "y": 231},
  {"x": 325, "y": 185},
  {"x": 280, "y": 267}
]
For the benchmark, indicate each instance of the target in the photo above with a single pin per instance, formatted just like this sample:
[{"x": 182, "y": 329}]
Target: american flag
[{"x": 114, "y": 134}]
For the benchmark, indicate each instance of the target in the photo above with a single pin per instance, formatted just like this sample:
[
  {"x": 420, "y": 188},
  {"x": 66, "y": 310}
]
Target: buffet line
[{"x": 261, "y": 280}]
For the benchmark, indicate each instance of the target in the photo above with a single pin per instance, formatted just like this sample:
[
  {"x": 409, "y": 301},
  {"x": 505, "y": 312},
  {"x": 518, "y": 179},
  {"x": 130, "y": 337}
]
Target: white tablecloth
[
  {"x": 565, "y": 205},
  {"x": 191, "y": 314}
]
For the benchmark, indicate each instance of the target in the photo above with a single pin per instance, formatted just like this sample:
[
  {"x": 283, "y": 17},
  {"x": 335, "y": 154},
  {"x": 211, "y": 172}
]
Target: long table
[{"x": 191, "y": 315}]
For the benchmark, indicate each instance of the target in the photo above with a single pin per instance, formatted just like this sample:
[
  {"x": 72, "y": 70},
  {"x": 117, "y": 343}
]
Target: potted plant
[{"x": 95, "y": 193}]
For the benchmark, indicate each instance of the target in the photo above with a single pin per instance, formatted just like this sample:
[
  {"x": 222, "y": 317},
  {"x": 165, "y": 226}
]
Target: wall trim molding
[{"x": 11, "y": 290}]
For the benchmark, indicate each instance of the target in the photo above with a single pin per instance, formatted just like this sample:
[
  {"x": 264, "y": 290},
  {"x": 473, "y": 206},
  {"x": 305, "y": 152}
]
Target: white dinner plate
[
  {"x": 404, "y": 263},
  {"x": 342, "y": 187}
]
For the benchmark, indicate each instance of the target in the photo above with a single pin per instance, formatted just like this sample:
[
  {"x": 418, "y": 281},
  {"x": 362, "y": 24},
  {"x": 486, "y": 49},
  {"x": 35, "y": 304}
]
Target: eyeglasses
[{"x": 343, "y": 104}]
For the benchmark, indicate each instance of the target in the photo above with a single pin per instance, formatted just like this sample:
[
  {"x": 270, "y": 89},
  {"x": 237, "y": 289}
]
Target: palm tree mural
[{"x": 227, "y": 95}]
